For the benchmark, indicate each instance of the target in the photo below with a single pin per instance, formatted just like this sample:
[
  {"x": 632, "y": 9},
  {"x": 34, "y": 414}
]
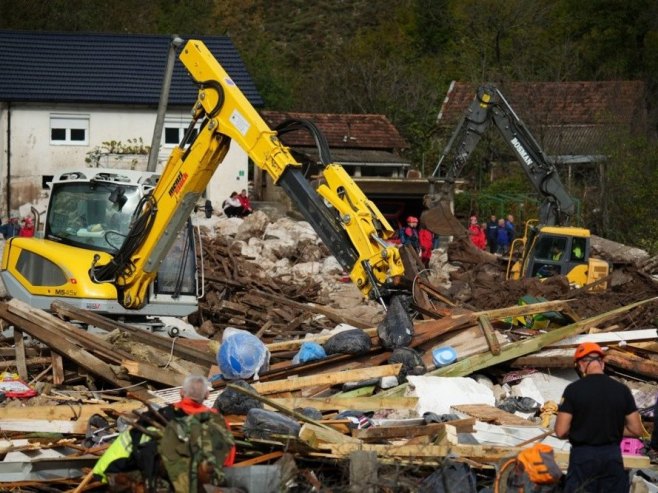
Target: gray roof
[{"x": 104, "y": 68}]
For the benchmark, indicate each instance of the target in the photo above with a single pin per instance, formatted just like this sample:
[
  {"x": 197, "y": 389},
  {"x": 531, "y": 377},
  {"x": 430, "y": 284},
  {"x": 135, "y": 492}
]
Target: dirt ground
[{"x": 480, "y": 282}]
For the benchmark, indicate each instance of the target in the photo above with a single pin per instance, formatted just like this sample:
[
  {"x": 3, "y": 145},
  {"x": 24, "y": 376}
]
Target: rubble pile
[{"x": 338, "y": 397}]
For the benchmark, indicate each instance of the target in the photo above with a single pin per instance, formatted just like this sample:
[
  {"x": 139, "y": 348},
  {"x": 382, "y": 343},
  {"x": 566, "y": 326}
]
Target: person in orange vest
[{"x": 119, "y": 463}]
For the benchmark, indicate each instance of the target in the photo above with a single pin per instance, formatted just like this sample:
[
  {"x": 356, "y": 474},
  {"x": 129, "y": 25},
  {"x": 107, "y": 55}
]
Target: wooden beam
[
  {"x": 609, "y": 337},
  {"x": 58, "y": 368},
  {"x": 481, "y": 453},
  {"x": 153, "y": 373},
  {"x": 290, "y": 384},
  {"x": 49, "y": 336},
  {"x": 631, "y": 362},
  {"x": 516, "y": 349},
  {"x": 164, "y": 343},
  {"x": 339, "y": 403},
  {"x": 489, "y": 334},
  {"x": 21, "y": 365},
  {"x": 379, "y": 432}
]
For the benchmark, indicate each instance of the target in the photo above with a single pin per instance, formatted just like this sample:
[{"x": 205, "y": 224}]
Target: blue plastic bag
[
  {"x": 309, "y": 351},
  {"x": 242, "y": 355}
]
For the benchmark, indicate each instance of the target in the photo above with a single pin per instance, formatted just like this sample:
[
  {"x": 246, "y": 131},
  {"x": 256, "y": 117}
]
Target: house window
[
  {"x": 69, "y": 129},
  {"x": 174, "y": 131}
]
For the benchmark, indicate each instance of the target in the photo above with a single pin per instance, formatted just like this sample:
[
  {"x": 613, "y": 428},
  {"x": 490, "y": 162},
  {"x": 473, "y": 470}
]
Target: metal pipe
[
  {"x": 8, "y": 183},
  {"x": 175, "y": 43}
]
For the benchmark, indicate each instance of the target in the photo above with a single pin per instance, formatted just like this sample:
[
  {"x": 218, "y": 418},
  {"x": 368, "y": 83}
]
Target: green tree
[{"x": 627, "y": 211}]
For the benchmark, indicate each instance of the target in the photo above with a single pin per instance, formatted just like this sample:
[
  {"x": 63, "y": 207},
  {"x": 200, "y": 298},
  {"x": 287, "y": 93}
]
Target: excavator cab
[
  {"x": 557, "y": 250},
  {"x": 89, "y": 216}
]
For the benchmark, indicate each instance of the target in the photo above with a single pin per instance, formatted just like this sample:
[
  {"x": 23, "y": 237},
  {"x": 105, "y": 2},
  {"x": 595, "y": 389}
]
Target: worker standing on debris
[{"x": 595, "y": 413}]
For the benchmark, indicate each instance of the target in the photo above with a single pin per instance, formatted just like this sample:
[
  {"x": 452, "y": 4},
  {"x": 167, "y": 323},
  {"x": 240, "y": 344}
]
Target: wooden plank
[
  {"x": 44, "y": 426},
  {"x": 340, "y": 403},
  {"x": 21, "y": 365},
  {"x": 631, "y": 362},
  {"x": 66, "y": 412},
  {"x": 153, "y": 373},
  {"x": 490, "y": 414},
  {"x": 514, "y": 350},
  {"x": 315, "y": 435},
  {"x": 482, "y": 453},
  {"x": 547, "y": 358},
  {"x": 326, "y": 379},
  {"x": 40, "y": 361},
  {"x": 379, "y": 432},
  {"x": 609, "y": 337},
  {"x": 363, "y": 472},
  {"x": 489, "y": 334},
  {"x": 58, "y": 368},
  {"x": 182, "y": 349},
  {"x": 259, "y": 460},
  {"x": 60, "y": 344}
]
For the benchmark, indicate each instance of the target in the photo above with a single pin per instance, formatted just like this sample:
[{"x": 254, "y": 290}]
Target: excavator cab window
[
  {"x": 549, "y": 256},
  {"x": 578, "y": 249},
  {"x": 89, "y": 214}
]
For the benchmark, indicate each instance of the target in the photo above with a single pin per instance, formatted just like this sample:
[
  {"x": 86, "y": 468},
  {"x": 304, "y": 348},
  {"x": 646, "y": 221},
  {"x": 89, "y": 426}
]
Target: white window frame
[
  {"x": 69, "y": 122},
  {"x": 177, "y": 123}
]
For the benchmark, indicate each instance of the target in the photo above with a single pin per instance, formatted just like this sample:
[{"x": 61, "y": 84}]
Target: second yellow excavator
[{"x": 548, "y": 247}]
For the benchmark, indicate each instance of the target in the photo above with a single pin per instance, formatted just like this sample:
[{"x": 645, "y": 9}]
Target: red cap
[
  {"x": 412, "y": 219},
  {"x": 587, "y": 348}
]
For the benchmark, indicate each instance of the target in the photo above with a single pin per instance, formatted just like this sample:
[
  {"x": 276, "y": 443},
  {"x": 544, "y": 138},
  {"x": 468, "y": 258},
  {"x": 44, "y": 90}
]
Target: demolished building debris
[{"x": 382, "y": 416}]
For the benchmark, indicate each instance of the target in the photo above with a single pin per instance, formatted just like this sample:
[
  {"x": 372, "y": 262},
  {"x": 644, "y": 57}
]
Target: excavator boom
[
  {"x": 350, "y": 225},
  {"x": 489, "y": 107}
]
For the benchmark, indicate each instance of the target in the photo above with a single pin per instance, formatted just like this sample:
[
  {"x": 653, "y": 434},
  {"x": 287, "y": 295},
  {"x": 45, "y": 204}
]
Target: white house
[{"x": 63, "y": 95}]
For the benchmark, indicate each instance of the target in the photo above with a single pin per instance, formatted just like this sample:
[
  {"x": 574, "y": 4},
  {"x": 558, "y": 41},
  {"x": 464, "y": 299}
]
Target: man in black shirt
[{"x": 595, "y": 413}]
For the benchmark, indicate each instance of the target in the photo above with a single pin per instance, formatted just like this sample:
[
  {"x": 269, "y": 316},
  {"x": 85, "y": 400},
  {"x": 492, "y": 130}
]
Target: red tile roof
[
  {"x": 342, "y": 130},
  {"x": 558, "y": 103},
  {"x": 567, "y": 118}
]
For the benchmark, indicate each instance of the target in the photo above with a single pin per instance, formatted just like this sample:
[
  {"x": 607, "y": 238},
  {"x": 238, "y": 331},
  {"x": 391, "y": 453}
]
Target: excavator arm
[
  {"x": 350, "y": 225},
  {"x": 490, "y": 107}
]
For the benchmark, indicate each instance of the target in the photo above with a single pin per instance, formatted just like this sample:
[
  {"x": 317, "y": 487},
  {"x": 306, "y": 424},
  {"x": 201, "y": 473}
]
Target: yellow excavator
[
  {"x": 548, "y": 247},
  {"x": 120, "y": 243}
]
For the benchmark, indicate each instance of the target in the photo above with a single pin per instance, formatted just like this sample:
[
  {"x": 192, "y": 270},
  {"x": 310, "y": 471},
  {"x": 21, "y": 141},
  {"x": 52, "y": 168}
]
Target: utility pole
[{"x": 175, "y": 43}]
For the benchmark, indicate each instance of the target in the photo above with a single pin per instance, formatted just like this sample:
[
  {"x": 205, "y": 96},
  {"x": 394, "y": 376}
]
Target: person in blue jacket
[{"x": 502, "y": 238}]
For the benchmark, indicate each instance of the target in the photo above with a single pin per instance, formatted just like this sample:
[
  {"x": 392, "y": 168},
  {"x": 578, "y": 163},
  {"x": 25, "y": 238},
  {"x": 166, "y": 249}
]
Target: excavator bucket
[{"x": 440, "y": 220}]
